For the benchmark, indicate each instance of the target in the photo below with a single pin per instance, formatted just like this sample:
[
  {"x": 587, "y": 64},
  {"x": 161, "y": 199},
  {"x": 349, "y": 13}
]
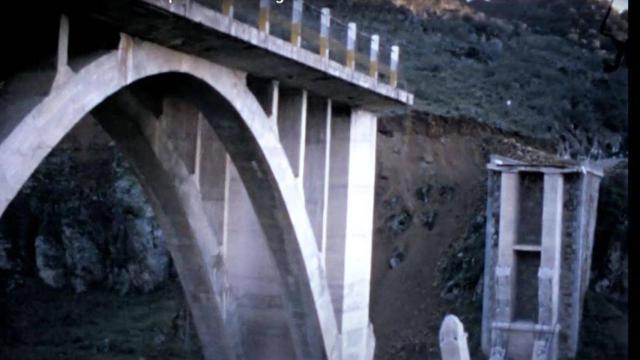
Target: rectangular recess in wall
[
  {"x": 526, "y": 285},
  {"x": 530, "y": 219}
]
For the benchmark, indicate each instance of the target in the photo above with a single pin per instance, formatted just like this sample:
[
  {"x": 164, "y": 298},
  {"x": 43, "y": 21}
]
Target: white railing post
[
  {"x": 373, "y": 56},
  {"x": 351, "y": 45},
  {"x": 395, "y": 56},
  {"x": 296, "y": 23},
  {"x": 325, "y": 24},
  {"x": 263, "y": 18}
]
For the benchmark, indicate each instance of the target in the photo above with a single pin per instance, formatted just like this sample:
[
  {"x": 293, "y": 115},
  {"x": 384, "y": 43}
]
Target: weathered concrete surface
[
  {"x": 178, "y": 206},
  {"x": 255, "y": 278},
  {"x": 547, "y": 326},
  {"x": 248, "y": 138},
  {"x": 193, "y": 28},
  {"x": 316, "y": 165},
  {"x": 349, "y": 243},
  {"x": 265, "y": 187},
  {"x": 453, "y": 339}
]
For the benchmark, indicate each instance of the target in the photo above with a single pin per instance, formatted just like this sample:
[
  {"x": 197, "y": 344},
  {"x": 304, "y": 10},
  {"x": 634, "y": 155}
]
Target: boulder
[
  {"x": 5, "y": 248},
  {"x": 50, "y": 260}
]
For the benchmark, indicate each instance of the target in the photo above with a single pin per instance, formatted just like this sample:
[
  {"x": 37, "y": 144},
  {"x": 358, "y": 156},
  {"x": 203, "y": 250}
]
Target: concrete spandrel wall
[
  {"x": 316, "y": 165},
  {"x": 213, "y": 179},
  {"x": 337, "y": 206},
  {"x": 292, "y": 117},
  {"x": 256, "y": 283},
  {"x": 180, "y": 120}
]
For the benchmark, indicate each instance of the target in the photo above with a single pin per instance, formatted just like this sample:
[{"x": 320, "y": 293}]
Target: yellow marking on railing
[
  {"x": 263, "y": 20},
  {"x": 296, "y": 32},
  {"x": 373, "y": 69},
  {"x": 227, "y": 7}
]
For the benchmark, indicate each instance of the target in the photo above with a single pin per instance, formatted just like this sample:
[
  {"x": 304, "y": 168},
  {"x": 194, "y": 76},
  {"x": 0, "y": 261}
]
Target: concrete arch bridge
[{"x": 257, "y": 155}]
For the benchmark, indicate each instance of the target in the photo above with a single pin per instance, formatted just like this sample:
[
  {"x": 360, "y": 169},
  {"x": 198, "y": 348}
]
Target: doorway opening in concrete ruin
[
  {"x": 526, "y": 288},
  {"x": 530, "y": 221},
  {"x": 84, "y": 268},
  {"x": 528, "y": 247}
]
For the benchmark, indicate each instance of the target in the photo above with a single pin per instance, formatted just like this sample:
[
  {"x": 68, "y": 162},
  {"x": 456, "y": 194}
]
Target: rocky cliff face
[{"x": 82, "y": 223}]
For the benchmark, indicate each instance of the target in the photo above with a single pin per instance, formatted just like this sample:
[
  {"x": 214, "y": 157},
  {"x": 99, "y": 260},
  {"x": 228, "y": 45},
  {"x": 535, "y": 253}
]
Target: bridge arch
[{"x": 241, "y": 124}]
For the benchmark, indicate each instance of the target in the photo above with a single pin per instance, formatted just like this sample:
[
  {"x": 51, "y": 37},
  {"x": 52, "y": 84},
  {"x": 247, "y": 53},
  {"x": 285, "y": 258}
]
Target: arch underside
[{"x": 103, "y": 89}]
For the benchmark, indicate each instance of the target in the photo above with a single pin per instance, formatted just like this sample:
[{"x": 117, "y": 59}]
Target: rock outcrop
[{"x": 94, "y": 225}]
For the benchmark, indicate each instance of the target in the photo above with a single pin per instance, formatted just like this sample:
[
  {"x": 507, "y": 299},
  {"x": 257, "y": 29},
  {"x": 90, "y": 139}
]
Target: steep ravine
[{"x": 527, "y": 85}]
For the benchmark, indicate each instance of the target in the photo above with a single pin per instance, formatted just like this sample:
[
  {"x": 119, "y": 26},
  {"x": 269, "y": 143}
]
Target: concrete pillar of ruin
[
  {"x": 453, "y": 339},
  {"x": 545, "y": 344},
  {"x": 504, "y": 273}
]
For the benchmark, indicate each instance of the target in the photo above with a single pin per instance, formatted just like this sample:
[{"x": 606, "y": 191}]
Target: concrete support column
[
  {"x": 350, "y": 222},
  {"x": 373, "y": 56},
  {"x": 292, "y": 118},
  {"x": 325, "y": 24},
  {"x": 63, "y": 43},
  {"x": 254, "y": 278},
  {"x": 263, "y": 16},
  {"x": 63, "y": 71},
  {"x": 316, "y": 166}
]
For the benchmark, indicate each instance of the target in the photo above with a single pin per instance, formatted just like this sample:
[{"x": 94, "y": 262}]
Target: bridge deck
[{"x": 193, "y": 28}]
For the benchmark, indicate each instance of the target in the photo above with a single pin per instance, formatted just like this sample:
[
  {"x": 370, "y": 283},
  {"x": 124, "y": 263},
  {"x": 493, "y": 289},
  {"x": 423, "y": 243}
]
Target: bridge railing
[{"x": 316, "y": 30}]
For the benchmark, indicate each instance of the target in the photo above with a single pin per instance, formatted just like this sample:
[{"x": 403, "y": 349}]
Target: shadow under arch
[{"x": 240, "y": 123}]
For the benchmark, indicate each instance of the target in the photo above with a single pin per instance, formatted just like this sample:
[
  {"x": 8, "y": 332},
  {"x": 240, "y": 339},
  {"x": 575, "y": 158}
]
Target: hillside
[{"x": 538, "y": 73}]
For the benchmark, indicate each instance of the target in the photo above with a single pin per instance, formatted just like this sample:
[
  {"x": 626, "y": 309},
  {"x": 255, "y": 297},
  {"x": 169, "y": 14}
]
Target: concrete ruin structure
[
  {"x": 539, "y": 238},
  {"x": 256, "y": 152},
  {"x": 453, "y": 339}
]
